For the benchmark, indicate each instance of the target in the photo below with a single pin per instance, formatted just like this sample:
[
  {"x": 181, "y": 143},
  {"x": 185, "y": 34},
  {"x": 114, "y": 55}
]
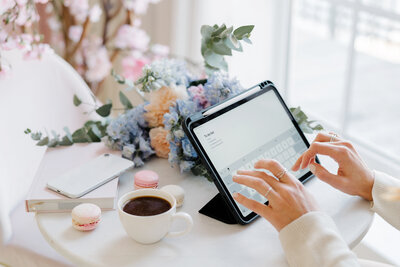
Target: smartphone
[{"x": 89, "y": 176}]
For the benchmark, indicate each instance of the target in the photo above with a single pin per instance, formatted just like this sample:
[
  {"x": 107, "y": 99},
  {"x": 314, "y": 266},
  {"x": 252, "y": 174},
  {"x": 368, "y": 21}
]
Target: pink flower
[
  {"x": 54, "y": 23},
  {"x": 75, "y": 33},
  {"x": 131, "y": 37},
  {"x": 5, "y": 70},
  {"x": 160, "y": 51},
  {"x": 198, "y": 96},
  {"x": 95, "y": 13},
  {"x": 37, "y": 51},
  {"x": 78, "y": 8},
  {"x": 133, "y": 64},
  {"x": 138, "y": 6},
  {"x": 26, "y": 16},
  {"x": 6, "y": 4},
  {"x": 98, "y": 64}
]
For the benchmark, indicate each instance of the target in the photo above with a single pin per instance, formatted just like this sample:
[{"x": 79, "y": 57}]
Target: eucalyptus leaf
[
  {"x": 241, "y": 31},
  {"x": 53, "y": 142},
  {"x": 226, "y": 32},
  {"x": 68, "y": 134},
  {"x": 233, "y": 43},
  {"x": 125, "y": 101},
  {"x": 215, "y": 60},
  {"x": 247, "y": 40},
  {"x": 36, "y": 136},
  {"x": 219, "y": 30},
  {"x": 221, "y": 49},
  {"x": 65, "y": 141},
  {"x": 77, "y": 101},
  {"x": 93, "y": 137},
  {"x": 104, "y": 110},
  {"x": 43, "y": 142},
  {"x": 80, "y": 136},
  {"x": 206, "y": 30}
]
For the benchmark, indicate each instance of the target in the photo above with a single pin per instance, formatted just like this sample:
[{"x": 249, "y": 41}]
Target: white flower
[
  {"x": 98, "y": 64},
  {"x": 6, "y": 4},
  {"x": 95, "y": 13},
  {"x": 181, "y": 91},
  {"x": 131, "y": 37},
  {"x": 78, "y": 8},
  {"x": 138, "y": 6},
  {"x": 160, "y": 50},
  {"x": 75, "y": 33}
]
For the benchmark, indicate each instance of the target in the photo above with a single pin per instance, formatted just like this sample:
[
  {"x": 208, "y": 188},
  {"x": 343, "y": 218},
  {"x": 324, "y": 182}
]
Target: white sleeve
[
  {"x": 314, "y": 240},
  {"x": 388, "y": 210}
]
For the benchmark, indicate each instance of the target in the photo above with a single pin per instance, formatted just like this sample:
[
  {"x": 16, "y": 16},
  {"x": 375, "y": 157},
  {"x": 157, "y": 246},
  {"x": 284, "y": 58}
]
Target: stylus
[{"x": 232, "y": 100}]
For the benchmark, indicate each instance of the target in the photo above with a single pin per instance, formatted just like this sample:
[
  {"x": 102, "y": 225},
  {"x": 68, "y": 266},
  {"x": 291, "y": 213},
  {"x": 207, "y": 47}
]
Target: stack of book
[{"x": 57, "y": 161}]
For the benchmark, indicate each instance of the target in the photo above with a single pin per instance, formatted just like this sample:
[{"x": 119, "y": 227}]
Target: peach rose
[
  {"x": 158, "y": 140},
  {"x": 160, "y": 101}
]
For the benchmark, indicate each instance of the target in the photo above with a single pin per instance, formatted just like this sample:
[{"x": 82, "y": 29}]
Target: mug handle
[{"x": 189, "y": 224}]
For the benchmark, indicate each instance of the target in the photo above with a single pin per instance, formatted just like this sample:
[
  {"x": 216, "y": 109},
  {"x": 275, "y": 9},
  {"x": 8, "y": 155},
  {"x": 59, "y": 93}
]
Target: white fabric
[
  {"x": 313, "y": 239},
  {"x": 37, "y": 95}
]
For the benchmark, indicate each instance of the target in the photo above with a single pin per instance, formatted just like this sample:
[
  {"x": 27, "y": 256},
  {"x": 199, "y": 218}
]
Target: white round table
[{"x": 210, "y": 243}]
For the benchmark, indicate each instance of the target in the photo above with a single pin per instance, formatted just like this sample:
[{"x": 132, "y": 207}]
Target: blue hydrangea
[
  {"x": 164, "y": 72},
  {"x": 129, "y": 133},
  {"x": 219, "y": 87},
  {"x": 181, "y": 150}
]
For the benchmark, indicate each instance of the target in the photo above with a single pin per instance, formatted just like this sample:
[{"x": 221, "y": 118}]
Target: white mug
[{"x": 151, "y": 229}]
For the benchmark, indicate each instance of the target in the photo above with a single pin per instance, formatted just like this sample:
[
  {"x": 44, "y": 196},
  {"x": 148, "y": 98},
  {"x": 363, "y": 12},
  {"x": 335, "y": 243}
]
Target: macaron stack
[{"x": 86, "y": 217}]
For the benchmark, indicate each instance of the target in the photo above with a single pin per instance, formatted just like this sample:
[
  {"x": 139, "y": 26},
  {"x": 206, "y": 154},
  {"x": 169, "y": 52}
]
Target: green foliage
[
  {"x": 104, "y": 110},
  {"x": 302, "y": 119},
  {"x": 125, "y": 101},
  {"x": 200, "y": 170},
  {"x": 77, "y": 101},
  {"x": 219, "y": 41}
]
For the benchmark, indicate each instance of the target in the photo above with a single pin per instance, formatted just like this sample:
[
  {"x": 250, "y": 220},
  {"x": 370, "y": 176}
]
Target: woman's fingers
[
  {"x": 324, "y": 175},
  {"x": 328, "y": 149},
  {"x": 257, "y": 207},
  {"x": 261, "y": 186},
  {"x": 321, "y": 138},
  {"x": 268, "y": 178},
  {"x": 276, "y": 168}
]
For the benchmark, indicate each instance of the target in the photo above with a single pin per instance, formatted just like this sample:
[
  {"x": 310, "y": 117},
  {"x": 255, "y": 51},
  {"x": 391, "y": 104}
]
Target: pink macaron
[
  {"x": 146, "y": 179},
  {"x": 85, "y": 217}
]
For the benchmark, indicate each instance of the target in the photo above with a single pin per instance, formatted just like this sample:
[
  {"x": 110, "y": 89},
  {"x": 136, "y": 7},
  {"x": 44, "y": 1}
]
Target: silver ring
[
  {"x": 266, "y": 194},
  {"x": 281, "y": 174},
  {"x": 333, "y": 137}
]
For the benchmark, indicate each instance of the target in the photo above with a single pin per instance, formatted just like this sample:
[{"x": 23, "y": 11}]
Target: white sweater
[{"x": 314, "y": 240}]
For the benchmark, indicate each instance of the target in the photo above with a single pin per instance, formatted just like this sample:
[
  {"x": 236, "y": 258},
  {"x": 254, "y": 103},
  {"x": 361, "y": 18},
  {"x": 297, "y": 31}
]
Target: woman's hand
[
  {"x": 353, "y": 176},
  {"x": 288, "y": 199}
]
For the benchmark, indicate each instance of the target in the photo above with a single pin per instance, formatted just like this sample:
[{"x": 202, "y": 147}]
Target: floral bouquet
[{"x": 171, "y": 92}]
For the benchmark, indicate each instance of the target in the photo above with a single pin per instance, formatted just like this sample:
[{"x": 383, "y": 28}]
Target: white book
[{"x": 57, "y": 161}]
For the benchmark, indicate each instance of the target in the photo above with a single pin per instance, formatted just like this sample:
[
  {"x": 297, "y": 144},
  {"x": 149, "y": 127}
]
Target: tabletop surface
[{"x": 210, "y": 243}]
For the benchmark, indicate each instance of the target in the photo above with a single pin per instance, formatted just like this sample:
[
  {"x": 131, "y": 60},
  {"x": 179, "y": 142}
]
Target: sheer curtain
[{"x": 177, "y": 23}]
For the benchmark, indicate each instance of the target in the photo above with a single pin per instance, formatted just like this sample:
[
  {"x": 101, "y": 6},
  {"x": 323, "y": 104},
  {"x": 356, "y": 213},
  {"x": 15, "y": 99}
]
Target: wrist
[{"x": 368, "y": 185}]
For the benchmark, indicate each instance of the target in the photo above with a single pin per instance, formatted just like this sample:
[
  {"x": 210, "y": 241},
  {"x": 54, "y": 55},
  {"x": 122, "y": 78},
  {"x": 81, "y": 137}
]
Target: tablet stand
[{"x": 217, "y": 209}]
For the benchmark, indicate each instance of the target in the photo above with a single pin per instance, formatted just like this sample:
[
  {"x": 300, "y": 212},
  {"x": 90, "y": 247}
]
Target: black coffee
[{"x": 146, "y": 206}]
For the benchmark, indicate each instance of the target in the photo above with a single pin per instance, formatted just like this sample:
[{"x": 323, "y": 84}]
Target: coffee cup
[{"x": 151, "y": 229}]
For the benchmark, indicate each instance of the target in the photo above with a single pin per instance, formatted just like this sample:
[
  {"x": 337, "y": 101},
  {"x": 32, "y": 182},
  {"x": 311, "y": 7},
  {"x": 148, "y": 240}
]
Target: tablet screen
[{"x": 257, "y": 129}]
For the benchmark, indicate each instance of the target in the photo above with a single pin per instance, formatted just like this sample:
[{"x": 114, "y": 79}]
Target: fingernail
[
  {"x": 235, "y": 195},
  {"x": 312, "y": 168},
  {"x": 234, "y": 177}
]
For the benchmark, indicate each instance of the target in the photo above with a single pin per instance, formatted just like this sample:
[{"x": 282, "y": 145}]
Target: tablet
[{"x": 235, "y": 134}]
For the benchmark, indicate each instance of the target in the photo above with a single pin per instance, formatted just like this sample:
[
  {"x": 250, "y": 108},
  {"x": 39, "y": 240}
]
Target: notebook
[{"x": 57, "y": 161}]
